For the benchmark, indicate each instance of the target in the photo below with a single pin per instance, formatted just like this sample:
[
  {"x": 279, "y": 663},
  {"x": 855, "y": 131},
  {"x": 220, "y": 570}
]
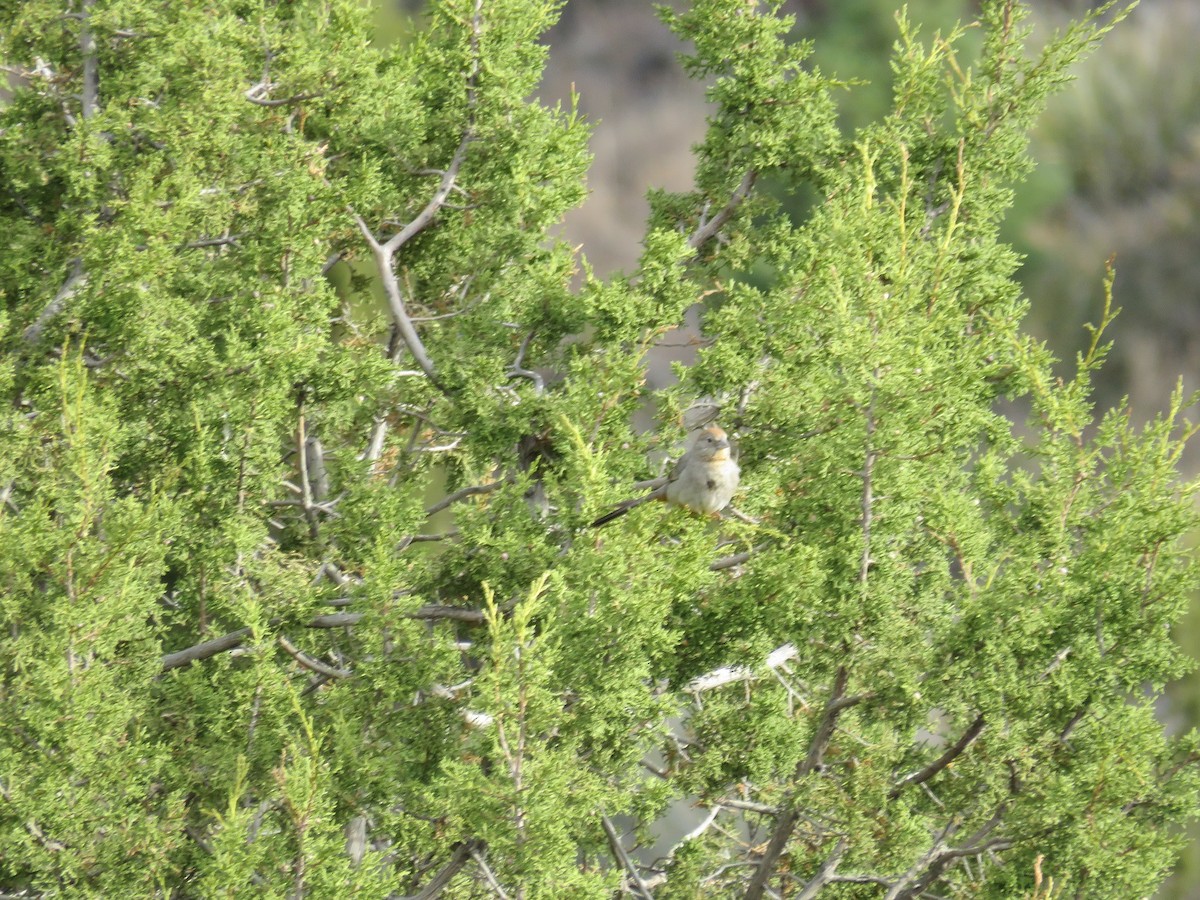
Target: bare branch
[
  {"x": 221, "y": 241},
  {"x": 356, "y": 840},
  {"x": 182, "y": 658},
  {"x": 40, "y": 836},
  {"x": 518, "y": 370},
  {"x": 837, "y": 702},
  {"x": 385, "y": 251},
  {"x": 708, "y": 229},
  {"x": 922, "y": 775},
  {"x": 825, "y": 873},
  {"x": 458, "y": 859},
  {"x": 926, "y": 870},
  {"x": 728, "y": 562},
  {"x": 91, "y": 64},
  {"x": 724, "y": 675},
  {"x": 1073, "y": 722},
  {"x": 926, "y": 861},
  {"x": 614, "y": 841},
  {"x": 481, "y": 861},
  {"x": 335, "y": 620},
  {"x": 306, "y": 485},
  {"x": 6, "y": 499},
  {"x": 747, "y": 806},
  {"x": 790, "y": 812},
  {"x": 407, "y": 542},
  {"x": 860, "y": 879},
  {"x": 374, "y": 449},
  {"x": 457, "y": 613},
  {"x": 236, "y": 638},
  {"x": 256, "y": 94},
  {"x": 75, "y": 280},
  {"x": 426, "y": 216},
  {"x": 401, "y": 320}
]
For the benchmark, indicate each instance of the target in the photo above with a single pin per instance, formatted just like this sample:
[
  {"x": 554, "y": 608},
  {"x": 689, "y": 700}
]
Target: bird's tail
[{"x": 620, "y": 510}]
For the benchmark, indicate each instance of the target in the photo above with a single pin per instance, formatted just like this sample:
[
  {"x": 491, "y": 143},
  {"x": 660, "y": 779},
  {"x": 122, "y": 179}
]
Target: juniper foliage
[{"x": 306, "y": 416}]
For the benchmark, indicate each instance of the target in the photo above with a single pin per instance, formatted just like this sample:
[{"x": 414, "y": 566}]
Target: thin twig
[
  {"x": 736, "y": 559},
  {"x": 463, "y": 493},
  {"x": 313, "y": 665}
]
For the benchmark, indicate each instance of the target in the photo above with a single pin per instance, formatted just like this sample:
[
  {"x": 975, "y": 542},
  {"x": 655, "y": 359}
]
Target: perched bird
[{"x": 703, "y": 480}]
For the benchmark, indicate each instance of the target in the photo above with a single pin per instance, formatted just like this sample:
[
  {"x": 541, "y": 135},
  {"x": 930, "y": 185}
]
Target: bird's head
[{"x": 712, "y": 443}]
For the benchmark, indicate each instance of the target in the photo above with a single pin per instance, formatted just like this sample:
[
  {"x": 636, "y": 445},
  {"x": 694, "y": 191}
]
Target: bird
[{"x": 703, "y": 480}]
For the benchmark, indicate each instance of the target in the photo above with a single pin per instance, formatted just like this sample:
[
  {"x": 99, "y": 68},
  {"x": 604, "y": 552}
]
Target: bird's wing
[{"x": 678, "y": 467}]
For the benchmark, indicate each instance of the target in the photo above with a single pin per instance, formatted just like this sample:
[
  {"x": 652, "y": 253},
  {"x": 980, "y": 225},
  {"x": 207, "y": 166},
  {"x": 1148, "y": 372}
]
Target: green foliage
[{"x": 306, "y": 420}]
